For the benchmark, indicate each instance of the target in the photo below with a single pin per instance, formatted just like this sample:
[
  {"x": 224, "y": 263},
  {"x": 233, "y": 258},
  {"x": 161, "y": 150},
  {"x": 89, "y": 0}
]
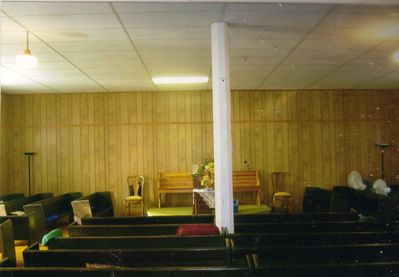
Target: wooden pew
[
  {"x": 132, "y": 220},
  {"x": 49, "y": 210},
  {"x": 325, "y": 254},
  {"x": 26, "y": 227},
  {"x": 7, "y": 247},
  {"x": 296, "y": 217},
  {"x": 100, "y": 203},
  {"x": 122, "y": 230},
  {"x": 249, "y": 241},
  {"x": 214, "y": 271},
  {"x": 17, "y": 204},
  {"x": 5, "y": 262},
  {"x": 326, "y": 270},
  {"x": 387, "y": 269},
  {"x": 159, "y": 257},
  {"x": 182, "y": 182},
  {"x": 248, "y": 218},
  {"x": 326, "y": 226},
  {"x": 134, "y": 242},
  {"x": 8, "y": 197}
]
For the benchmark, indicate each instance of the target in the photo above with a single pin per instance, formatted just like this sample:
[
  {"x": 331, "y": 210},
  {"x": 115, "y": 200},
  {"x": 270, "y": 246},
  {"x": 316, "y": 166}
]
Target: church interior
[{"x": 216, "y": 138}]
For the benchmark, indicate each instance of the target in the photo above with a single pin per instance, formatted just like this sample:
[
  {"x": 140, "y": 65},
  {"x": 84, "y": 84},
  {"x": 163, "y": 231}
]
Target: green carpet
[{"x": 170, "y": 211}]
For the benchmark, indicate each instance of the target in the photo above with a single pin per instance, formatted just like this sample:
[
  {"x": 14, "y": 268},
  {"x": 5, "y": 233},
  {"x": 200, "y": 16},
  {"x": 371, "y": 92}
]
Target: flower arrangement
[{"x": 206, "y": 173}]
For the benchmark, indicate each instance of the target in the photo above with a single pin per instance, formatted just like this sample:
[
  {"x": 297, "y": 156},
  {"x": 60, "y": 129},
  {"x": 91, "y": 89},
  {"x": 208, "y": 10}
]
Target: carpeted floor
[{"x": 242, "y": 209}]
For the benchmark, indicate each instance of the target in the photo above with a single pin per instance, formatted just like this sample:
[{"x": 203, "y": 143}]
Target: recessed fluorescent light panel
[{"x": 180, "y": 80}]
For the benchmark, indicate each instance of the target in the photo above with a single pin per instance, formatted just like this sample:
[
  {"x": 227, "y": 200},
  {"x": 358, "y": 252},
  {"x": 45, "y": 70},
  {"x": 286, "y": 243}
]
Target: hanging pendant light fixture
[{"x": 26, "y": 60}]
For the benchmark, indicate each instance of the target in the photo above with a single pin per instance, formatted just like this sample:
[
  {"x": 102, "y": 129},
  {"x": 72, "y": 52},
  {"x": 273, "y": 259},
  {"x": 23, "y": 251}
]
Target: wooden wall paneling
[
  {"x": 39, "y": 140},
  {"x": 292, "y": 146},
  {"x": 235, "y": 129},
  {"x": 326, "y": 135},
  {"x": 269, "y": 138},
  {"x": 208, "y": 117},
  {"x": 148, "y": 108},
  {"x": 316, "y": 144},
  {"x": 285, "y": 145},
  {"x": 257, "y": 141},
  {"x": 172, "y": 117},
  {"x": 189, "y": 126},
  {"x": 196, "y": 138},
  {"x": 180, "y": 145},
  {"x": 91, "y": 142},
  {"x": 112, "y": 150},
  {"x": 278, "y": 131},
  {"x": 84, "y": 144},
  {"x": 100, "y": 143},
  {"x": 363, "y": 133},
  {"x": 76, "y": 150},
  {"x": 124, "y": 149},
  {"x": 394, "y": 125}
]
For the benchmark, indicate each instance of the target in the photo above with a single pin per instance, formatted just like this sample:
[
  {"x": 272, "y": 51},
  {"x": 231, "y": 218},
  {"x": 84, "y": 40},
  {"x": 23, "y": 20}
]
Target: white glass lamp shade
[{"x": 26, "y": 60}]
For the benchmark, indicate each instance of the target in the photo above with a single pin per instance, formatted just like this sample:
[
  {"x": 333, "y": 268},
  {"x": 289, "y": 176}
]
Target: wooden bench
[
  {"x": 133, "y": 220},
  {"x": 122, "y": 230},
  {"x": 325, "y": 254},
  {"x": 174, "y": 182},
  {"x": 100, "y": 203},
  {"x": 49, "y": 210},
  {"x": 292, "y": 227},
  {"x": 249, "y": 241},
  {"x": 26, "y": 227},
  {"x": 247, "y": 181},
  {"x": 135, "y": 242},
  {"x": 8, "y": 197},
  {"x": 7, "y": 247},
  {"x": 182, "y": 182},
  {"x": 17, "y": 204},
  {"x": 325, "y": 270},
  {"x": 296, "y": 217},
  {"x": 156, "y": 257}
]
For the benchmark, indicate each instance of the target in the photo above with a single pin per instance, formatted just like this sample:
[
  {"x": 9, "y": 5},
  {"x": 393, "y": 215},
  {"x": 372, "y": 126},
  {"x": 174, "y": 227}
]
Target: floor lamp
[
  {"x": 382, "y": 147},
  {"x": 30, "y": 169}
]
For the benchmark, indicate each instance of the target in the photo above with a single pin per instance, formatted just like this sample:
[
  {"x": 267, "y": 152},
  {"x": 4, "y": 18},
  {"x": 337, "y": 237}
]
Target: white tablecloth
[{"x": 208, "y": 195}]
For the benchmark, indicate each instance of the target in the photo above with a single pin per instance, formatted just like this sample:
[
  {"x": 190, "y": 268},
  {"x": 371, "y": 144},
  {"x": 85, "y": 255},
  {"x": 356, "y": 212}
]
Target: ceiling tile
[
  {"x": 268, "y": 20},
  {"x": 178, "y": 19},
  {"x": 352, "y": 47},
  {"x": 93, "y": 46},
  {"x": 184, "y": 32},
  {"x": 68, "y": 22},
  {"x": 167, "y": 7},
  {"x": 79, "y": 35},
  {"x": 276, "y": 7},
  {"x": 172, "y": 44},
  {"x": 54, "y": 8}
]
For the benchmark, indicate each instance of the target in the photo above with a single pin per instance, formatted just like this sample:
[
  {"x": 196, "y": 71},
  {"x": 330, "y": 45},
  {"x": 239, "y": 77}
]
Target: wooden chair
[
  {"x": 136, "y": 193},
  {"x": 282, "y": 200}
]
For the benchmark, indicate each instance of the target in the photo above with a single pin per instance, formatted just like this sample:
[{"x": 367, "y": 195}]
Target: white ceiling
[{"x": 94, "y": 47}]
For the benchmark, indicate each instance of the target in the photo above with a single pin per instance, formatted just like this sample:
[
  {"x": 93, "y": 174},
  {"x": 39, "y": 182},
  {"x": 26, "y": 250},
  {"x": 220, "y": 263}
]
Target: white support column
[{"x": 222, "y": 127}]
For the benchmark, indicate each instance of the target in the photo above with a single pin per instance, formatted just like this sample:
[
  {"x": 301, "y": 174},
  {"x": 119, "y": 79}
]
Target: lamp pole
[
  {"x": 382, "y": 147},
  {"x": 30, "y": 171}
]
